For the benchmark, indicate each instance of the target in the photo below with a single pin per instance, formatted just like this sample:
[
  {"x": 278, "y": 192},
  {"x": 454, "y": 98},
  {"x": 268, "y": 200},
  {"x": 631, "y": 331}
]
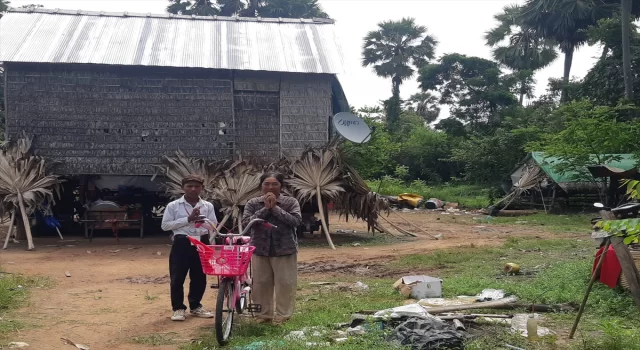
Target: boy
[{"x": 180, "y": 217}]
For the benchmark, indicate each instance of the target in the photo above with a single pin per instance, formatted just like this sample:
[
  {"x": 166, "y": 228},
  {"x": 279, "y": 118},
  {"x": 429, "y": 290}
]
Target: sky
[{"x": 458, "y": 25}]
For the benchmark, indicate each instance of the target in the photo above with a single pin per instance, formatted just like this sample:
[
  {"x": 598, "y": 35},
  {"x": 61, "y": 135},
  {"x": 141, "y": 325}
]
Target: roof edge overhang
[{"x": 58, "y": 11}]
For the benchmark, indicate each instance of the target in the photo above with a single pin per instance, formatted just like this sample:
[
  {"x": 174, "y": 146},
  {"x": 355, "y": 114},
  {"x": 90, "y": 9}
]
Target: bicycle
[{"x": 229, "y": 262}]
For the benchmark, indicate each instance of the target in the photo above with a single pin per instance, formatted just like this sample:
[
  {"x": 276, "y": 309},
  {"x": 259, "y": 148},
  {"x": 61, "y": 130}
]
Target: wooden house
[{"x": 109, "y": 94}]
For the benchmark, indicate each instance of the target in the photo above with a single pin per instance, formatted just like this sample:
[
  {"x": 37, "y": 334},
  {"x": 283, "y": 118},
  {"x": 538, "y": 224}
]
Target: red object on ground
[
  {"x": 330, "y": 205},
  {"x": 611, "y": 268}
]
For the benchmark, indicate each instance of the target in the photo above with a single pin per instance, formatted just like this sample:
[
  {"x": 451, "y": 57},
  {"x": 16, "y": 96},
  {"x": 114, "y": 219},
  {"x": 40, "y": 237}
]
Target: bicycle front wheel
[{"x": 225, "y": 310}]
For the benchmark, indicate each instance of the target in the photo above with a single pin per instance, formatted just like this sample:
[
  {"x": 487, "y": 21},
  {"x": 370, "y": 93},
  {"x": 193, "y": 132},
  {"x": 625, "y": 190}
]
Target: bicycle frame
[{"x": 238, "y": 281}]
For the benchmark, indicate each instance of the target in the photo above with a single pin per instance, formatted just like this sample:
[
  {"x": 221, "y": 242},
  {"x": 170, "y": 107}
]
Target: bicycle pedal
[
  {"x": 254, "y": 308},
  {"x": 215, "y": 286}
]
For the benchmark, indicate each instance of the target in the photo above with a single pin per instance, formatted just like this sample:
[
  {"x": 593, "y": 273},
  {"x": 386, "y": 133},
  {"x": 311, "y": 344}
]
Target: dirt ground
[{"x": 119, "y": 292}]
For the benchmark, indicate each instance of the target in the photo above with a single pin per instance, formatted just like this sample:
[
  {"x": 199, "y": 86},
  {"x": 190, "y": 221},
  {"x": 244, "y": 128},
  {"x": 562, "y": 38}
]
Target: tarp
[{"x": 548, "y": 165}]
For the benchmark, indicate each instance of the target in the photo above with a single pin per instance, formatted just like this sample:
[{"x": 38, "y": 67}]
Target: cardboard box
[{"x": 419, "y": 287}]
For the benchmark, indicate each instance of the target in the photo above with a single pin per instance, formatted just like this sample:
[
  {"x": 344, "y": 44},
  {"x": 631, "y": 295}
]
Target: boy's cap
[{"x": 193, "y": 178}]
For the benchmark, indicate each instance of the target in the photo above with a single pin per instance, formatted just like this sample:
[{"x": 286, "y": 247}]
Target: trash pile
[{"x": 427, "y": 321}]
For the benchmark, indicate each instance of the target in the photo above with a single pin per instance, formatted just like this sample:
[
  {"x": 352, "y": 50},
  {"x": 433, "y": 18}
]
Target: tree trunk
[
  {"x": 523, "y": 88},
  {"x": 626, "y": 49},
  {"x": 25, "y": 220},
  {"x": 10, "y": 230},
  {"x": 322, "y": 218},
  {"x": 395, "y": 90},
  {"x": 568, "y": 60}
]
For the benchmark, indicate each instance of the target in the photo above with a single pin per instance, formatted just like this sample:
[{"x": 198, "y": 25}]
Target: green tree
[
  {"x": 602, "y": 84},
  {"x": 249, "y": 8},
  {"x": 565, "y": 22},
  {"x": 425, "y": 104},
  {"x": 4, "y": 5},
  {"x": 31, "y": 6},
  {"x": 291, "y": 9},
  {"x": 488, "y": 159},
  {"x": 519, "y": 48},
  {"x": 373, "y": 159},
  {"x": 424, "y": 152},
  {"x": 474, "y": 87},
  {"x": 625, "y": 10},
  {"x": 591, "y": 135},
  {"x": 196, "y": 7},
  {"x": 394, "y": 51}
]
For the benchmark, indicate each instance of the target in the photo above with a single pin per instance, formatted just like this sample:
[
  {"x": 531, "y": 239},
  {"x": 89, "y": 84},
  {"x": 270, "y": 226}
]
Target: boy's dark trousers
[{"x": 183, "y": 260}]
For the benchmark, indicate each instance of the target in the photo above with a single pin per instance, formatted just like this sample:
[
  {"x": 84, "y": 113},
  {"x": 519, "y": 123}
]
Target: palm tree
[
  {"x": 425, "y": 105},
  {"x": 290, "y": 9},
  {"x": 317, "y": 174},
  {"x": 4, "y": 5},
  {"x": 565, "y": 22},
  {"x": 524, "y": 49},
  {"x": 26, "y": 181},
  {"x": 197, "y": 7},
  {"x": 625, "y": 10},
  {"x": 248, "y": 8},
  {"x": 395, "y": 50}
]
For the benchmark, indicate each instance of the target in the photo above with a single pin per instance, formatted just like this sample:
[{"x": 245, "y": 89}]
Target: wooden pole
[
  {"x": 399, "y": 229},
  {"x": 484, "y": 305},
  {"x": 629, "y": 268},
  {"x": 594, "y": 276},
  {"x": 414, "y": 225},
  {"x": 25, "y": 220},
  {"x": 322, "y": 218},
  {"x": 13, "y": 218}
]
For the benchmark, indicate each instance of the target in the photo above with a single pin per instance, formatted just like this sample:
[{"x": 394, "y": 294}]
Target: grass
[
  {"x": 14, "y": 293},
  {"x": 556, "y": 271},
  {"x": 468, "y": 196},
  {"x": 551, "y": 222},
  {"x": 149, "y": 297},
  {"x": 156, "y": 339}
]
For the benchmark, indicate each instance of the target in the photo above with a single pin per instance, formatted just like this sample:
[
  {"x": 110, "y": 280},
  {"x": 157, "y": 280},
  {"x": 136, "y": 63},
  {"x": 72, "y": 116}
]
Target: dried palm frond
[
  {"x": 26, "y": 181},
  {"x": 317, "y": 174},
  {"x": 177, "y": 167},
  {"x": 359, "y": 201},
  {"x": 236, "y": 186},
  {"x": 530, "y": 179}
]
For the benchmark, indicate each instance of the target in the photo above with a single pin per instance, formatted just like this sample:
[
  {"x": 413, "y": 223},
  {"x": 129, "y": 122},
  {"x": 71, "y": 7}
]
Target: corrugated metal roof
[{"x": 62, "y": 36}]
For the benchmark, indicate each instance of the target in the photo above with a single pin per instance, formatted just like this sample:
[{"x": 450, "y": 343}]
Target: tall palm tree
[
  {"x": 565, "y": 22},
  {"x": 518, "y": 47},
  {"x": 290, "y": 9},
  {"x": 248, "y": 8},
  {"x": 196, "y": 7},
  {"x": 425, "y": 105},
  {"x": 396, "y": 49},
  {"x": 625, "y": 10},
  {"x": 4, "y": 5}
]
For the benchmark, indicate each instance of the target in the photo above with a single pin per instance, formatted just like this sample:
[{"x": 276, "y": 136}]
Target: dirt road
[{"x": 119, "y": 292}]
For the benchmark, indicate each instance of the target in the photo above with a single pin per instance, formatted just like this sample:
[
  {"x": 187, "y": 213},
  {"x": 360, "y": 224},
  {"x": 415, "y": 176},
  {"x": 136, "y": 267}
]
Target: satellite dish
[{"x": 351, "y": 127}]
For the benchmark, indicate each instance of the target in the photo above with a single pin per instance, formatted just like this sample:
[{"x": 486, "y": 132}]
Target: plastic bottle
[{"x": 532, "y": 328}]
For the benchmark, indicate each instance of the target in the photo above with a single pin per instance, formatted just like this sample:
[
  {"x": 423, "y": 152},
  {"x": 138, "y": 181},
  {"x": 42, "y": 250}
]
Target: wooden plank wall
[
  {"x": 108, "y": 120},
  {"x": 120, "y": 120},
  {"x": 305, "y": 109}
]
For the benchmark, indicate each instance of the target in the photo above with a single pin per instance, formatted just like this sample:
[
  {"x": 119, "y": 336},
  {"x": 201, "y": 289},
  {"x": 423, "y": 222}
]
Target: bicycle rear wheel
[{"x": 225, "y": 310}]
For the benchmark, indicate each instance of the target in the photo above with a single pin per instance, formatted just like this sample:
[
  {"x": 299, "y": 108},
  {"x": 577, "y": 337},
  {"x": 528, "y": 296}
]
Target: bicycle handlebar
[{"x": 246, "y": 229}]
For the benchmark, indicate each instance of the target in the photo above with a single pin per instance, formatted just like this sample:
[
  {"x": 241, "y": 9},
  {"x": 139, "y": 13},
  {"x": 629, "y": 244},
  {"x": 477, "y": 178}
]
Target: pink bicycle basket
[{"x": 224, "y": 260}]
